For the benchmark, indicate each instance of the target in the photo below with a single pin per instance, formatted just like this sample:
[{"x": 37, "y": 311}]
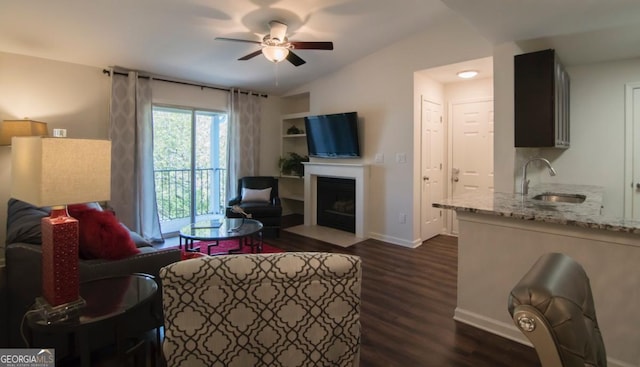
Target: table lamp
[
  {"x": 11, "y": 128},
  {"x": 55, "y": 172}
]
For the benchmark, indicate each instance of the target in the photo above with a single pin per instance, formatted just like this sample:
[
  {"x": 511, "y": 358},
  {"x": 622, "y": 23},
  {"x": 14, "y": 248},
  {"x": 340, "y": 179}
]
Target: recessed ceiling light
[{"x": 467, "y": 74}]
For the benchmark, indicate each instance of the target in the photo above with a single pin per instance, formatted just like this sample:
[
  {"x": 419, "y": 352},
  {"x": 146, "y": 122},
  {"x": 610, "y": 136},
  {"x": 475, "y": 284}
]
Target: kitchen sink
[{"x": 560, "y": 198}]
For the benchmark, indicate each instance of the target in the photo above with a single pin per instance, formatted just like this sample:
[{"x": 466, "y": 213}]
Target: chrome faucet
[{"x": 525, "y": 183}]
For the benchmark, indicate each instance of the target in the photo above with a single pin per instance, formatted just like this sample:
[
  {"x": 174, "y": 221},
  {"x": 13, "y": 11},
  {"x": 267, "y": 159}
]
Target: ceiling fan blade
[
  {"x": 236, "y": 40},
  {"x": 312, "y": 45},
  {"x": 251, "y": 55},
  {"x": 295, "y": 59}
]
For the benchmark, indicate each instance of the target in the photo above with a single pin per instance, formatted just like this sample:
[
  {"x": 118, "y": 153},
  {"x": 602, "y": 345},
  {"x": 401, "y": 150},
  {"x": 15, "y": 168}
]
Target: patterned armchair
[{"x": 284, "y": 309}]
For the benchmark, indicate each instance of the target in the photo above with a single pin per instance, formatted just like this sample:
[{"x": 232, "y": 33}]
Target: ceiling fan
[{"x": 276, "y": 47}]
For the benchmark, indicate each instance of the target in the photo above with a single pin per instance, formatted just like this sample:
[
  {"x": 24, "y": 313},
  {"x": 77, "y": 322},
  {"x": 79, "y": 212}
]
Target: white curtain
[
  {"x": 133, "y": 194},
  {"x": 244, "y": 138}
]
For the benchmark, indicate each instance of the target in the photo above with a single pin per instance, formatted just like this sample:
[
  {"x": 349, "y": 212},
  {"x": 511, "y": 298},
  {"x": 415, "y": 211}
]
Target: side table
[{"x": 108, "y": 301}]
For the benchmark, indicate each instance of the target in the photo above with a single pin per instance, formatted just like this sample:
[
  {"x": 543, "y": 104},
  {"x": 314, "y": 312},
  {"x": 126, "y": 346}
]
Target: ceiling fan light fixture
[
  {"x": 275, "y": 54},
  {"x": 467, "y": 74}
]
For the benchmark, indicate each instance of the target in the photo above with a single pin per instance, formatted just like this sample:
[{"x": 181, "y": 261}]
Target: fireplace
[
  {"x": 336, "y": 198},
  {"x": 357, "y": 172}
]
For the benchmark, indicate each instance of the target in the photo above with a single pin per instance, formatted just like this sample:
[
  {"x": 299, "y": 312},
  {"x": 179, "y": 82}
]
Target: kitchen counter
[
  {"x": 585, "y": 215},
  {"x": 501, "y": 235}
]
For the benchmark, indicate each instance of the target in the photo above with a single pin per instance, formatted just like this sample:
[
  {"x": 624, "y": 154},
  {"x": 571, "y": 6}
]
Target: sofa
[{"x": 24, "y": 272}]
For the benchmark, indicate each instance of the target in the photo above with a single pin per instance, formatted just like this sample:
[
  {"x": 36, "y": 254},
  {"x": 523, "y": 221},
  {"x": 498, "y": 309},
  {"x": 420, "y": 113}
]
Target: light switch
[{"x": 401, "y": 157}]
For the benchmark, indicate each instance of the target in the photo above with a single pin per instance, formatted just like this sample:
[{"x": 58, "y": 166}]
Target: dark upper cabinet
[{"x": 541, "y": 100}]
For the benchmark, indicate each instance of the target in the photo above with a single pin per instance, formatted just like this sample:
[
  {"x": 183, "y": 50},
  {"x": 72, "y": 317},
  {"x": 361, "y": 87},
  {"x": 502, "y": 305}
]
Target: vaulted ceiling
[{"x": 176, "y": 38}]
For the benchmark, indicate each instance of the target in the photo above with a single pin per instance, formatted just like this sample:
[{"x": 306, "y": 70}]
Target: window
[{"x": 190, "y": 160}]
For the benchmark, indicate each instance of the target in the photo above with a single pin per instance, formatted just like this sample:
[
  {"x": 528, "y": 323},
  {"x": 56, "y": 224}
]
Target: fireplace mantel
[{"x": 358, "y": 172}]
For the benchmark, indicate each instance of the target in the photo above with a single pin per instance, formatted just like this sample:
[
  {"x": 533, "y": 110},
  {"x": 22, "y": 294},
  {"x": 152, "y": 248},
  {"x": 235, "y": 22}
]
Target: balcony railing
[{"x": 173, "y": 192}]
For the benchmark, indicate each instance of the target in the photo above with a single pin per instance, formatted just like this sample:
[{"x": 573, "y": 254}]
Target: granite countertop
[{"x": 585, "y": 215}]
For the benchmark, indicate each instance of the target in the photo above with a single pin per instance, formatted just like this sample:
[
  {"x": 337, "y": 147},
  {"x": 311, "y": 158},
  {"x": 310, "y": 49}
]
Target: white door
[
  {"x": 634, "y": 114},
  {"x": 431, "y": 166},
  {"x": 472, "y": 148}
]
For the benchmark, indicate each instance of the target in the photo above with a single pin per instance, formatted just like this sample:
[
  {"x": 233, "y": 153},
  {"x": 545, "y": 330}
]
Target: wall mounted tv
[{"x": 333, "y": 136}]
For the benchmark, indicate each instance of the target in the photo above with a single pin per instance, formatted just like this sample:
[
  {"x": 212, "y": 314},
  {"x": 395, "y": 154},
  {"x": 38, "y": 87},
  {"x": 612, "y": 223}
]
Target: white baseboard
[
  {"x": 395, "y": 240},
  {"x": 509, "y": 331}
]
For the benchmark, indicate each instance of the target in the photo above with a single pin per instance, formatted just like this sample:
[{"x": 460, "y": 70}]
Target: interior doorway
[
  {"x": 632, "y": 151},
  {"x": 471, "y": 149},
  {"x": 465, "y": 141},
  {"x": 432, "y": 140}
]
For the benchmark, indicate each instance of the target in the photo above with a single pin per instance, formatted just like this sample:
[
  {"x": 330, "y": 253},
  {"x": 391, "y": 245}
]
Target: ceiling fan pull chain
[{"x": 276, "y": 70}]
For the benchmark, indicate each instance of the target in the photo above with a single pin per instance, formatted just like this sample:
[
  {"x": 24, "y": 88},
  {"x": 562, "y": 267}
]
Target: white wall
[
  {"x": 380, "y": 88},
  {"x": 181, "y": 95},
  {"x": 596, "y": 155},
  {"x": 468, "y": 90},
  {"x": 270, "y": 136},
  {"x": 504, "y": 153}
]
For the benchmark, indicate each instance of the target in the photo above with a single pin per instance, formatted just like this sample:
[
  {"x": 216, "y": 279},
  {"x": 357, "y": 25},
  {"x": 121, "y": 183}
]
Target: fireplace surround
[{"x": 358, "y": 172}]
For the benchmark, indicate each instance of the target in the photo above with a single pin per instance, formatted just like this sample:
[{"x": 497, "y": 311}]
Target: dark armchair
[{"x": 258, "y": 196}]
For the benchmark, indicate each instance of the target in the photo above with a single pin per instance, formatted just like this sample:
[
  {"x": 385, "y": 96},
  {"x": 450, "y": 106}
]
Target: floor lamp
[{"x": 56, "y": 172}]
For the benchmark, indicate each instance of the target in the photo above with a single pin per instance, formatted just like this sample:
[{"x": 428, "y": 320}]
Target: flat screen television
[{"x": 333, "y": 136}]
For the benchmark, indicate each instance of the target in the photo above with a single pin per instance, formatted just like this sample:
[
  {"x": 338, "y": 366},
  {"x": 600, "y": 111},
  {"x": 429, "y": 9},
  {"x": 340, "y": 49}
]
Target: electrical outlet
[
  {"x": 379, "y": 158},
  {"x": 402, "y": 218},
  {"x": 60, "y": 133}
]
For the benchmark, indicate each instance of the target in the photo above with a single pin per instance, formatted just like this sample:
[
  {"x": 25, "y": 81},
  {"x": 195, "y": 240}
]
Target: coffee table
[{"x": 244, "y": 230}]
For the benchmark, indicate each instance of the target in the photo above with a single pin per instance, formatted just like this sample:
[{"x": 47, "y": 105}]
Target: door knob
[
  {"x": 425, "y": 178},
  {"x": 638, "y": 185}
]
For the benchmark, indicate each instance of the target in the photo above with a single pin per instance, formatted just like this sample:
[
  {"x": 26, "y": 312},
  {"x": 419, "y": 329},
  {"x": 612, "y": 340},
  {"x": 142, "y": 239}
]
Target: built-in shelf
[
  {"x": 295, "y": 109},
  {"x": 299, "y": 197},
  {"x": 286, "y": 136}
]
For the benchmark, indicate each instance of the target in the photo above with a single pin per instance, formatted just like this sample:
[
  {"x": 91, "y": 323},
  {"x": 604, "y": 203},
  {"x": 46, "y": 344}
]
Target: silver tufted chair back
[
  {"x": 553, "y": 307},
  {"x": 284, "y": 309}
]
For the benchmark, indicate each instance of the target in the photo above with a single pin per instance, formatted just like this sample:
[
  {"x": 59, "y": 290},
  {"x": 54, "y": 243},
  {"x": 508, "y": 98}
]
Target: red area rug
[{"x": 223, "y": 248}]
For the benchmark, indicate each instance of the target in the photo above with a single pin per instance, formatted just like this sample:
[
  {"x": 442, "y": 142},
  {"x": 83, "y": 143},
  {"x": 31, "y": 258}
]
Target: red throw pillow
[{"x": 101, "y": 235}]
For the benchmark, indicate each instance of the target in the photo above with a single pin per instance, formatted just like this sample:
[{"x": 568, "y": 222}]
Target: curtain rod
[{"x": 108, "y": 72}]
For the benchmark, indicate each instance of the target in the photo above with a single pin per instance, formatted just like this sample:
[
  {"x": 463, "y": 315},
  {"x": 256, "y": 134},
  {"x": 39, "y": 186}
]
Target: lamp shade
[
  {"x": 60, "y": 171},
  {"x": 11, "y": 128},
  {"x": 275, "y": 53}
]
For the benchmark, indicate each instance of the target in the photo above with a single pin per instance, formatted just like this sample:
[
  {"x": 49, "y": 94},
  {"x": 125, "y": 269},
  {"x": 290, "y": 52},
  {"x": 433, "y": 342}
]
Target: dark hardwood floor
[{"x": 408, "y": 299}]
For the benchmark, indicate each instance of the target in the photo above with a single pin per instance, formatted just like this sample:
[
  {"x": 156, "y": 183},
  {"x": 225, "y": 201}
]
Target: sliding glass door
[{"x": 190, "y": 159}]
